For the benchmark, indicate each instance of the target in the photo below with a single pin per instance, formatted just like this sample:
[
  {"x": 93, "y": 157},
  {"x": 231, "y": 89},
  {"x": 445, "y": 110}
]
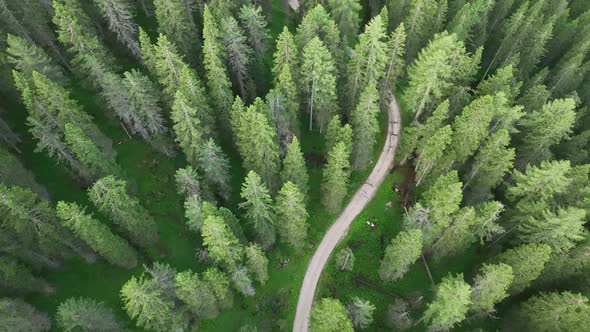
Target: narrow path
[{"x": 338, "y": 229}]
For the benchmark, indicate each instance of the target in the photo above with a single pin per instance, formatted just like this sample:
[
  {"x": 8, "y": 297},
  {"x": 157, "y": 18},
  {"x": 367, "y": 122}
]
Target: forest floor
[{"x": 340, "y": 226}]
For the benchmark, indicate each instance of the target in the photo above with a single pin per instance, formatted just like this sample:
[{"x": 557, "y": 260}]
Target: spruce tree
[
  {"x": 242, "y": 281},
  {"x": 335, "y": 177},
  {"x": 329, "y": 315},
  {"x": 361, "y": 312},
  {"x": 19, "y": 316},
  {"x": 405, "y": 248},
  {"x": 16, "y": 277},
  {"x": 291, "y": 216},
  {"x": 26, "y": 57},
  {"x": 219, "y": 284},
  {"x": 196, "y": 294},
  {"x": 490, "y": 287},
  {"x": 527, "y": 262},
  {"x": 216, "y": 169},
  {"x": 222, "y": 245},
  {"x": 286, "y": 54},
  {"x": 119, "y": 16},
  {"x": 97, "y": 235},
  {"x": 346, "y": 15},
  {"x": 432, "y": 152},
  {"x": 256, "y": 262},
  {"x": 254, "y": 25},
  {"x": 176, "y": 22},
  {"x": 258, "y": 209},
  {"x": 187, "y": 126},
  {"x": 365, "y": 126},
  {"x": 109, "y": 195},
  {"x": 421, "y": 23},
  {"x": 14, "y": 173},
  {"x": 218, "y": 83},
  {"x": 450, "y": 304},
  {"x": 504, "y": 81},
  {"x": 294, "y": 167},
  {"x": 555, "y": 312},
  {"x": 318, "y": 23},
  {"x": 86, "y": 315},
  {"x": 336, "y": 132},
  {"x": 395, "y": 65},
  {"x": 238, "y": 56},
  {"x": 368, "y": 59}
]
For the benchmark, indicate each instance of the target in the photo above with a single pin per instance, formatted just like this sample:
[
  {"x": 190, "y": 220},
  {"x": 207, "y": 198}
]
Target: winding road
[{"x": 338, "y": 229}]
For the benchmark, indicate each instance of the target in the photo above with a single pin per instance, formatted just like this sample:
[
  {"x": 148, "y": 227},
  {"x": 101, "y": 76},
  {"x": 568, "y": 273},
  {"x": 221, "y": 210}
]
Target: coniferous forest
[{"x": 173, "y": 165}]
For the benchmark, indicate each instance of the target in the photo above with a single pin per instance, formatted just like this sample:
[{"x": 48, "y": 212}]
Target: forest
[{"x": 179, "y": 165}]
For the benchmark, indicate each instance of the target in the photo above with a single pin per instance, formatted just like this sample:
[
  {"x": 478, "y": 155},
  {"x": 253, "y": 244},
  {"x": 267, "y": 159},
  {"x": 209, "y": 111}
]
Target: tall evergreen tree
[
  {"x": 242, "y": 281},
  {"x": 86, "y": 315},
  {"x": 336, "y": 132},
  {"x": 329, "y": 315},
  {"x": 238, "y": 55},
  {"x": 109, "y": 195},
  {"x": 258, "y": 209},
  {"x": 283, "y": 102},
  {"x": 395, "y": 65},
  {"x": 176, "y": 22},
  {"x": 450, "y": 304},
  {"x": 555, "y": 312},
  {"x": 405, "y": 248},
  {"x": 286, "y": 54},
  {"x": 224, "y": 248},
  {"x": 216, "y": 168},
  {"x": 335, "y": 177},
  {"x": 424, "y": 19},
  {"x": 16, "y": 277},
  {"x": 119, "y": 16},
  {"x": 254, "y": 24},
  {"x": 361, "y": 312},
  {"x": 98, "y": 236},
  {"x": 318, "y": 82},
  {"x": 294, "y": 168},
  {"x": 19, "y": 316},
  {"x": 187, "y": 126},
  {"x": 490, "y": 287},
  {"x": 527, "y": 262},
  {"x": 432, "y": 152},
  {"x": 196, "y": 294},
  {"x": 318, "y": 23},
  {"x": 365, "y": 127},
  {"x": 14, "y": 173},
  {"x": 219, "y": 284},
  {"x": 291, "y": 216},
  {"x": 346, "y": 15},
  {"x": 256, "y": 262},
  {"x": 27, "y": 57}
]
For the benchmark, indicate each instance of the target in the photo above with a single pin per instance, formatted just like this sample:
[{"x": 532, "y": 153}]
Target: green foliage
[
  {"x": 219, "y": 284},
  {"x": 254, "y": 24},
  {"x": 95, "y": 162},
  {"x": 527, "y": 262},
  {"x": 258, "y": 209},
  {"x": 365, "y": 127},
  {"x": 336, "y": 133},
  {"x": 346, "y": 15},
  {"x": 402, "y": 252},
  {"x": 242, "y": 282},
  {"x": 223, "y": 246},
  {"x": 119, "y": 15},
  {"x": 196, "y": 294},
  {"x": 15, "y": 276},
  {"x": 318, "y": 23},
  {"x": 294, "y": 168},
  {"x": 361, "y": 312},
  {"x": 97, "y": 235},
  {"x": 330, "y": 315},
  {"x": 110, "y": 196},
  {"x": 490, "y": 287},
  {"x": 395, "y": 65},
  {"x": 432, "y": 152},
  {"x": 86, "y": 315},
  {"x": 335, "y": 177},
  {"x": 19, "y": 316},
  {"x": 503, "y": 81},
  {"x": 176, "y": 22},
  {"x": 257, "y": 263},
  {"x": 216, "y": 169},
  {"x": 286, "y": 54},
  {"x": 555, "y": 312},
  {"x": 291, "y": 216},
  {"x": 470, "y": 128},
  {"x": 26, "y": 57},
  {"x": 450, "y": 305},
  {"x": 424, "y": 19},
  {"x": 237, "y": 55},
  {"x": 345, "y": 259}
]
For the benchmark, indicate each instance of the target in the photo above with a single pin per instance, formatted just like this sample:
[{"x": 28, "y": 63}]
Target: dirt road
[{"x": 338, "y": 229}]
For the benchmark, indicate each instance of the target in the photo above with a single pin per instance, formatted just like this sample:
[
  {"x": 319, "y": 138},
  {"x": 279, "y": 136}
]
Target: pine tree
[
  {"x": 230, "y": 219},
  {"x": 219, "y": 85},
  {"x": 470, "y": 21},
  {"x": 294, "y": 168},
  {"x": 329, "y": 315},
  {"x": 450, "y": 304},
  {"x": 109, "y": 195},
  {"x": 490, "y": 287},
  {"x": 224, "y": 248},
  {"x": 86, "y": 315},
  {"x": 187, "y": 126},
  {"x": 545, "y": 128},
  {"x": 504, "y": 81},
  {"x": 258, "y": 209},
  {"x": 559, "y": 230},
  {"x": 162, "y": 277},
  {"x": 566, "y": 266},
  {"x": 187, "y": 182},
  {"x": 527, "y": 262},
  {"x": 421, "y": 23},
  {"x": 336, "y": 132},
  {"x": 16, "y": 277},
  {"x": 402, "y": 252},
  {"x": 335, "y": 177},
  {"x": 286, "y": 54},
  {"x": 254, "y": 24},
  {"x": 176, "y": 22},
  {"x": 493, "y": 160},
  {"x": 431, "y": 153},
  {"x": 27, "y": 57},
  {"x": 97, "y": 163},
  {"x": 318, "y": 82},
  {"x": 555, "y": 312},
  {"x": 216, "y": 168},
  {"x": 119, "y": 16},
  {"x": 242, "y": 282},
  {"x": 20, "y": 316},
  {"x": 165, "y": 63},
  {"x": 256, "y": 262},
  {"x": 196, "y": 294},
  {"x": 470, "y": 128},
  {"x": 318, "y": 23},
  {"x": 291, "y": 216},
  {"x": 258, "y": 146},
  {"x": 193, "y": 89},
  {"x": 14, "y": 173},
  {"x": 97, "y": 235},
  {"x": 368, "y": 59},
  {"x": 395, "y": 65},
  {"x": 145, "y": 302},
  {"x": 361, "y": 312},
  {"x": 238, "y": 55},
  {"x": 219, "y": 284},
  {"x": 540, "y": 183},
  {"x": 346, "y": 15},
  {"x": 365, "y": 126},
  {"x": 283, "y": 101}
]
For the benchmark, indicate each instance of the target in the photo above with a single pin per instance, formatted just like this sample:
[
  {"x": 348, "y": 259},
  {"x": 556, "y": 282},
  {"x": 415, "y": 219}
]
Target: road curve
[{"x": 340, "y": 226}]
